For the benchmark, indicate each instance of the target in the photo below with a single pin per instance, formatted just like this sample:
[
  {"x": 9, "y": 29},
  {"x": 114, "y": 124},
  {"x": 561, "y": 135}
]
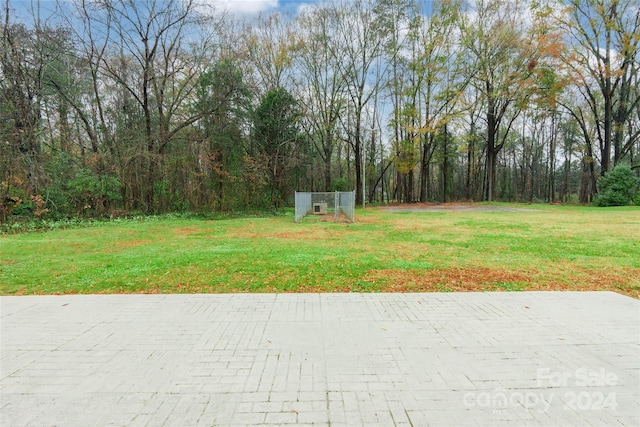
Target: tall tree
[
  {"x": 21, "y": 63},
  {"x": 400, "y": 20},
  {"x": 439, "y": 83},
  {"x": 276, "y": 137},
  {"x": 269, "y": 46},
  {"x": 155, "y": 36},
  {"x": 360, "y": 44},
  {"x": 223, "y": 98},
  {"x": 603, "y": 56},
  {"x": 321, "y": 85},
  {"x": 505, "y": 55}
]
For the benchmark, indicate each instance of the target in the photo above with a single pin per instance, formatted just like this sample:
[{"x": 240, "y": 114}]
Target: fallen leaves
[
  {"x": 449, "y": 279},
  {"x": 481, "y": 279}
]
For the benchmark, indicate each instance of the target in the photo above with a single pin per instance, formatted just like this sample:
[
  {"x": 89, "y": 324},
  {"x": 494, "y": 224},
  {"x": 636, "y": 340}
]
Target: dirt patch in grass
[
  {"x": 329, "y": 217},
  {"x": 119, "y": 246},
  {"x": 186, "y": 231},
  {"x": 132, "y": 243},
  {"x": 491, "y": 279},
  {"x": 301, "y": 235},
  {"x": 127, "y": 244}
]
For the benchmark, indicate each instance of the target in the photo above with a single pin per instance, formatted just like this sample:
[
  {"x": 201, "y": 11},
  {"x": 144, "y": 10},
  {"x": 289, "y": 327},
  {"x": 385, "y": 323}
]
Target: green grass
[{"x": 551, "y": 247}]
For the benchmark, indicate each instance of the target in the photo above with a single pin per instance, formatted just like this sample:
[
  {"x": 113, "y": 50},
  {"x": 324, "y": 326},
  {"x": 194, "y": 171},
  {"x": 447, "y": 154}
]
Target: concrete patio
[{"x": 528, "y": 358}]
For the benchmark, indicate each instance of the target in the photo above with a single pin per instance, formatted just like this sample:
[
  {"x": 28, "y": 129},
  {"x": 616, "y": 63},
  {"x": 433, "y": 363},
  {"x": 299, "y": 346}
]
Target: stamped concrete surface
[{"x": 321, "y": 359}]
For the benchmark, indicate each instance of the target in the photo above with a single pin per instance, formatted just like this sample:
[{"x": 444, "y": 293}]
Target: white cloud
[
  {"x": 306, "y": 8},
  {"x": 242, "y": 7}
]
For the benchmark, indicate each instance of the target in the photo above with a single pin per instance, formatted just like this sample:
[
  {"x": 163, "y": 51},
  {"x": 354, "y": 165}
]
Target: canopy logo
[{"x": 581, "y": 389}]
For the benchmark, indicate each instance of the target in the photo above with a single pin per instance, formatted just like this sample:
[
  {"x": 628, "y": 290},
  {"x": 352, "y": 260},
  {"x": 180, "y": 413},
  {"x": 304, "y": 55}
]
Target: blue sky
[
  {"x": 253, "y": 7},
  {"x": 240, "y": 8}
]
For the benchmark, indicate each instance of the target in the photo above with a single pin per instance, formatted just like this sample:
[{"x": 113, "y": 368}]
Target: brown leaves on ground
[
  {"x": 450, "y": 279},
  {"x": 482, "y": 279},
  {"x": 467, "y": 279}
]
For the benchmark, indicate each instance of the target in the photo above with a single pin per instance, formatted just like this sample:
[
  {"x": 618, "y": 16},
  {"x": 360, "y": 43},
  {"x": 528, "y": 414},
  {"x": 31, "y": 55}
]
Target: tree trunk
[
  {"x": 605, "y": 151},
  {"x": 552, "y": 159},
  {"x": 424, "y": 165},
  {"x": 491, "y": 146},
  {"x": 445, "y": 168},
  {"x": 358, "y": 166},
  {"x": 328, "y": 152}
]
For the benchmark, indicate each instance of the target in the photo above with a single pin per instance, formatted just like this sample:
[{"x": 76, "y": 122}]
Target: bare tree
[
  {"x": 504, "y": 55},
  {"x": 321, "y": 86},
  {"x": 151, "y": 54},
  {"x": 602, "y": 55},
  {"x": 360, "y": 43}
]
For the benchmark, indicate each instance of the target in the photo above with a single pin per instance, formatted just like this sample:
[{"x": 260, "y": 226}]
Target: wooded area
[{"x": 116, "y": 106}]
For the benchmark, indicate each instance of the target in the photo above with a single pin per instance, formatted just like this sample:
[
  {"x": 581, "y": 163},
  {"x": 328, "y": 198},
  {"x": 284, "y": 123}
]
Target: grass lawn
[{"x": 547, "y": 248}]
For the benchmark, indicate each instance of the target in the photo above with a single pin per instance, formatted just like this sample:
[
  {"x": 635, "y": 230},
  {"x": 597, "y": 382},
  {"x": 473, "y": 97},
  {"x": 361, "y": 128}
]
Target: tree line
[{"x": 115, "y": 106}]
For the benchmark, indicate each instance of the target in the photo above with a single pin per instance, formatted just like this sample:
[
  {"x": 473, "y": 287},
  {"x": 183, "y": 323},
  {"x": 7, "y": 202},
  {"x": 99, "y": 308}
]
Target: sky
[
  {"x": 239, "y": 8},
  {"x": 254, "y": 7}
]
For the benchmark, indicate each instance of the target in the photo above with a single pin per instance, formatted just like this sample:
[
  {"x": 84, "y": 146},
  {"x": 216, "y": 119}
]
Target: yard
[{"x": 429, "y": 248}]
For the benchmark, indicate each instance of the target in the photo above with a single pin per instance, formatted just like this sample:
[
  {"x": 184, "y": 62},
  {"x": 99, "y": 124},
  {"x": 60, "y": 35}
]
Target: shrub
[
  {"x": 93, "y": 194},
  {"x": 618, "y": 187},
  {"x": 340, "y": 184}
]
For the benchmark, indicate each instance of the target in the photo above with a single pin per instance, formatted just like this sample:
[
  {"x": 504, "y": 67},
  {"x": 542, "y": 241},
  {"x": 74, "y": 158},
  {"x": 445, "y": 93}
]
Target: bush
[
  {"x": 618, "y": 187},
  {"x": 340, "y": 184},
  {"x": 93, "y": 194}
]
